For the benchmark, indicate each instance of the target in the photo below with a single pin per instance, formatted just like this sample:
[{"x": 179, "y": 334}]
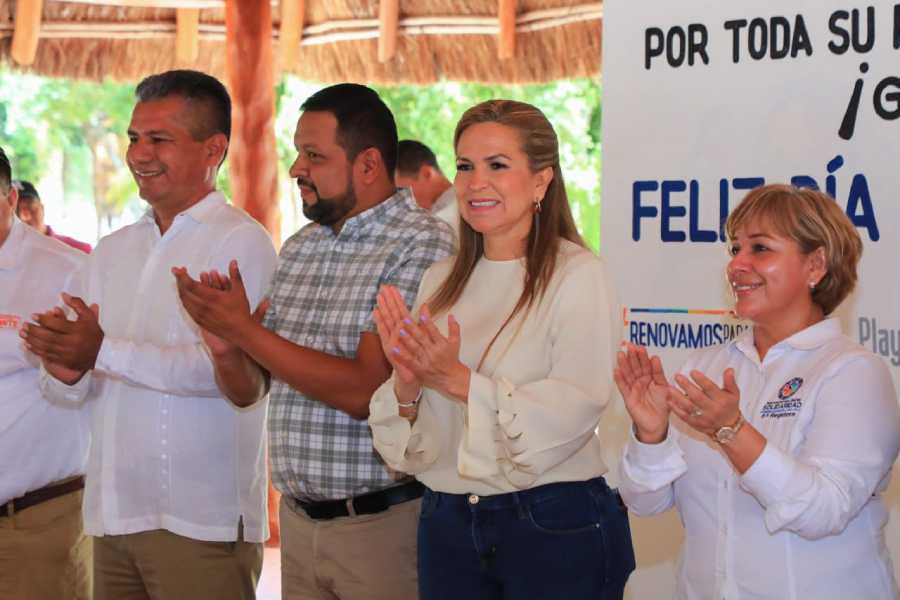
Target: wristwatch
[{"x": 725, "y": 435}]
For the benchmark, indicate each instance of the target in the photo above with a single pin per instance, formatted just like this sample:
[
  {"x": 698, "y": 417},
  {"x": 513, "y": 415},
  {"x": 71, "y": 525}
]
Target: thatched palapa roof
[{"x": 434, "y": 39}]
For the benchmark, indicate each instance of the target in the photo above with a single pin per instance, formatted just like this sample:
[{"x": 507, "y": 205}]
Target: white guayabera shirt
[
  {"x": 169, "y": 451},
  {"x": 806, "y": 520}
]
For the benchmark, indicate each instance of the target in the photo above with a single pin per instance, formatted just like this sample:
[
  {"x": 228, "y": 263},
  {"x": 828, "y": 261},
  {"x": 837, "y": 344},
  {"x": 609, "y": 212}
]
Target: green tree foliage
[{"x": 84, "y": 122}]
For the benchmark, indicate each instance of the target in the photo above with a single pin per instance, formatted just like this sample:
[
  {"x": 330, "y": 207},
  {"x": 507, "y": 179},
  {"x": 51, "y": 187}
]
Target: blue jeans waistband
[{"x": 523, "y": 497}]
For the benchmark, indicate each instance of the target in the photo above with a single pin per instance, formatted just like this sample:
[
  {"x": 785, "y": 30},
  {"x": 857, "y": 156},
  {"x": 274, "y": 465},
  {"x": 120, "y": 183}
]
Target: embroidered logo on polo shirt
[
  {"x": 9, "y": 321},
  {"x": 786, "y": 405}
]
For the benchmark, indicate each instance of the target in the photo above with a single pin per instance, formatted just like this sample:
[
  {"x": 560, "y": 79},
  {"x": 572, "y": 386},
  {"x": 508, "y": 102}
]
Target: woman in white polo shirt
[{"x": 781, "y": 440}]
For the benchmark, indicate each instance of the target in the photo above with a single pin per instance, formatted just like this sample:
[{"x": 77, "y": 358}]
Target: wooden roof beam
[
  {"x": 388, "y": 25},
  {"x": 27, "y": 31},
  {"x": 506, "y": 14},
  {"x": 187, "y": 36},
  {"x": 292, "y": 16},
  {"x": 253, "y": 155}
]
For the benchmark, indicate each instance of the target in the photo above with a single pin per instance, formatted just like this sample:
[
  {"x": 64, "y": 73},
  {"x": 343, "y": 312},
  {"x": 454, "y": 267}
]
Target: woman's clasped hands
[
  {"x": 419, "y": 353},
  {"x": 649, "y": 398}
]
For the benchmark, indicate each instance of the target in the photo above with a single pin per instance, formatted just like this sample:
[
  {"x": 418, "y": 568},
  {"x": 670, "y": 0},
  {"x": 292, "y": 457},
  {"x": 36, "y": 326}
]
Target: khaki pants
[
  {"x": 44, "y": 555},
  {"x": 160, "y": 565},
  {"x": 367, "y": 557}
]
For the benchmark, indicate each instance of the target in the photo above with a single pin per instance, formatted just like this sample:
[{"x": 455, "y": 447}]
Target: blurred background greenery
[{"x": 69, "y": 139}]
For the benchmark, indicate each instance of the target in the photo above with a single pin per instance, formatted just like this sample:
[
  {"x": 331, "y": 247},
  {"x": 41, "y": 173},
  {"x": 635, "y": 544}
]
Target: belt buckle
[{"x": 351, "y": 510}]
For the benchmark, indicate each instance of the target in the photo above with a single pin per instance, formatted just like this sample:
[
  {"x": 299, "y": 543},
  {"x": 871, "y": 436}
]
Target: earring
[
  {"x": 537, "y": 205},
  {"x": 812, "y": 286}
]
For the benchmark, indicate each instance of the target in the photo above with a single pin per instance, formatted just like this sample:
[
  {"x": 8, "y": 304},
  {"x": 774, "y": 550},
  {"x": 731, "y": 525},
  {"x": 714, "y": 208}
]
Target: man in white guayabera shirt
[
  {"x": 175, "y": 491},
  {"x": 44, "y": 554}
]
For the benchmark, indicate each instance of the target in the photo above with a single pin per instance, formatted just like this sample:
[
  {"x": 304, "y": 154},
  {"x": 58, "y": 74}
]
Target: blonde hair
[
  {"x": 813, "y": 220},
  {"x": 540, "y": 144}
]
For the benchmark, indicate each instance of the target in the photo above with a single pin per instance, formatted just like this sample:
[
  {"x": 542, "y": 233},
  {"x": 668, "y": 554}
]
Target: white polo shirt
[
  {"x": 806, "y": 520},
  {"x": 40, "y": 442},
  {"x": 170, "y": 452}
]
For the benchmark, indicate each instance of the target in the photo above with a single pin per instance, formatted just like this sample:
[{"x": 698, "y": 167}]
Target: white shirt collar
[
  {"x": 810, "y": 338},
  {"x": 199, "y": 212}
]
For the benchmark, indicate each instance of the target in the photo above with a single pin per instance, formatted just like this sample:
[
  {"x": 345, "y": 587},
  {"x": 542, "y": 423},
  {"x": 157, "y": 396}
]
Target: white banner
[{"x": 706, "y": 99}]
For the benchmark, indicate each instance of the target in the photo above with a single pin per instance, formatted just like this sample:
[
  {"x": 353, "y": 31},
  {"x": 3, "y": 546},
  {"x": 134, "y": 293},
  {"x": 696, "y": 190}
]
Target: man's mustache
[{"x": 304, "y": 182}]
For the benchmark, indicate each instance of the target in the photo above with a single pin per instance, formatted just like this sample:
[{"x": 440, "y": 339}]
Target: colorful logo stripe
[{"x": 674, "y": 311}]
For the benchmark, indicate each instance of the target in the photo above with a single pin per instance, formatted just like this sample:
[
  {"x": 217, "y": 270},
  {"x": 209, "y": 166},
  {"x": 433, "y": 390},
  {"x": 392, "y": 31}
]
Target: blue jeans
[{"x": 566, "y": 540}]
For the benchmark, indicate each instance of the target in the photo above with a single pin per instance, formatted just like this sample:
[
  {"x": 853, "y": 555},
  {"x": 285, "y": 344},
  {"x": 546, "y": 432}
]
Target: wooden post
[
  {"x": 27, "y": 31},
  {"x": 292, "y": 14},
  {"x": 507, "y": 41},
  {"x": 252, "y": 157},
  {"x": 388, "y": 22},
  {"x": 187, "y": 36}
]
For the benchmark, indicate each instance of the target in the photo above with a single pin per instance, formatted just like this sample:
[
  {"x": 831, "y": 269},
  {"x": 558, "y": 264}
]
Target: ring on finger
[{"x": 696, "y": 412}]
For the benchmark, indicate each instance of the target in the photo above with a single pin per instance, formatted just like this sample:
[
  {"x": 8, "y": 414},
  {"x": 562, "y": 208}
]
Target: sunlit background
[{"x": 68, "y": 138}]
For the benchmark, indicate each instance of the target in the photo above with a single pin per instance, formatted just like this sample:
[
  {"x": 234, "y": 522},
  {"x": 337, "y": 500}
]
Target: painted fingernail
[
  {"x": 395, "y": 350},
  {"x": 402, "y": 332},
  {"x": 408, "y": 321},
  {"x": 423, "y": 318}
]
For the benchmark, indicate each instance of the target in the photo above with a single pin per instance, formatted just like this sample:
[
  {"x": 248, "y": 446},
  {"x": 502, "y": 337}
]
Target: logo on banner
[
  {"x": 646, "y": 328},
  {"x": 786, "y": 405}
]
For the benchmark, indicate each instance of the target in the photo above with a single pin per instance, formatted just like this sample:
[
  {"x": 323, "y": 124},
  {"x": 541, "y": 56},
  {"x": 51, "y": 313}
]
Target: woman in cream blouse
[{"x": 501, "y": 373}]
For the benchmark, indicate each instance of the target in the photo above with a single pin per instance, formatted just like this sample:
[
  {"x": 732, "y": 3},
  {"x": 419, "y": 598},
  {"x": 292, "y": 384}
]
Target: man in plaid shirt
[{"x": 348, "y": 523}]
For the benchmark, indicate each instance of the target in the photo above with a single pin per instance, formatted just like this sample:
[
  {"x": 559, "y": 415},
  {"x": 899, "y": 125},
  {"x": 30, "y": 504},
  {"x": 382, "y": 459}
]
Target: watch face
[{"x": 725, "y": 435}]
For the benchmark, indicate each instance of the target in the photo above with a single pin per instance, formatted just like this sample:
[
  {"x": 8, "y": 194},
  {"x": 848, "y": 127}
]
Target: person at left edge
[
  {"x": 175, "y": 490},
  {"x": 44, "y": 554}
]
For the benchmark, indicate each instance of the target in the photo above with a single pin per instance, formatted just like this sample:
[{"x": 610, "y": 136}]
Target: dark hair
[
  {"x": 26, "y": 189},
  {"x": 205, "y": 92},
  {"x": 363, "y": 120},
  {"x": 5, "y": 170},
  {"x": 540, "y": 144},
  {"x": 411, "y": 155}
]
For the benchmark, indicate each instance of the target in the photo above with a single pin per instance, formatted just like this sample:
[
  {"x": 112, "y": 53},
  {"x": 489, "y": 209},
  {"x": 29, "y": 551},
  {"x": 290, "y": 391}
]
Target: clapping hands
[
  {"x": 644, "y": 387},
  {"x": 418, "y": 351},
  {"x": 218, "y": 304},
  {"x": 649, "y": 398}
]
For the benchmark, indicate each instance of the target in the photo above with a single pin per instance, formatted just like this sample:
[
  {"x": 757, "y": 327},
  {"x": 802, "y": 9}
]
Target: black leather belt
[
  {"x": 42, "y": 495},
  {"x": 365, "y": 504}
]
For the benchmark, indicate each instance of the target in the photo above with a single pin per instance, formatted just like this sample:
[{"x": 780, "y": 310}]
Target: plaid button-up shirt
[{"x": 322, "y": 296}]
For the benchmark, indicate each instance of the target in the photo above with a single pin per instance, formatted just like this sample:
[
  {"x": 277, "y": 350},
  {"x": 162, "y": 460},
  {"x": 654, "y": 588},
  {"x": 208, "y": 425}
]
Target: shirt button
[
  {"x": 473, "y": 499},
  {"x": 164, "y": 442}
]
